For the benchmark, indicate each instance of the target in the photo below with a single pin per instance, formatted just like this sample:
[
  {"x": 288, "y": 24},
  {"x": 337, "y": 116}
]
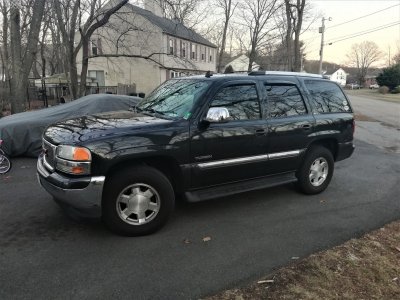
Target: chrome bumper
[{"x": 83, "y": 194}]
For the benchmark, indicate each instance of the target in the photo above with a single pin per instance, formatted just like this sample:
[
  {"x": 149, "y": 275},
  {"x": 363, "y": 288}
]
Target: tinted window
[
  {"x": 240, "y": 100},
  {"x": 284, "y": 101},
  {"x": 327, "y": 97}
]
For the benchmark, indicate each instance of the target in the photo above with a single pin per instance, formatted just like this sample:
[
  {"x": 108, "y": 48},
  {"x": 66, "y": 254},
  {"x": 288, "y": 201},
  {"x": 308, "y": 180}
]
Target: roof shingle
[{"x": 172, "y": 27}]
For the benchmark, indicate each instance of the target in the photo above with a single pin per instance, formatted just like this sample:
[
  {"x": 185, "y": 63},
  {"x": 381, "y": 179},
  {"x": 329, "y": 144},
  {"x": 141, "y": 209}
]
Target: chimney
[{"x": 155, "y": 6}]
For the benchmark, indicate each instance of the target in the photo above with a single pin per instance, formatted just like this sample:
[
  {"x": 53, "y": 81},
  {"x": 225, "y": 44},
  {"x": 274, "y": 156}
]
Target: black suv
[{"x": 199, "y": 137}]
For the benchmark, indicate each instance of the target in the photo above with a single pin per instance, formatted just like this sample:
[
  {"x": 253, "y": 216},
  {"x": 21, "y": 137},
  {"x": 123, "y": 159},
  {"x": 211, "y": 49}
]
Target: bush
[
  {"x": 396, "y": 90},
  {"x": 390, "y": 77},
  {"x": 229, "y": 69},
  {"x": 383, "y": 90}
]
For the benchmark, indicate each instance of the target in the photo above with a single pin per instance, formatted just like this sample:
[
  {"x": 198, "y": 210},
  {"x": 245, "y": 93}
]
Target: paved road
[
  {"x": 45, "y": 255},
  {"x": 378, "y": 122}
]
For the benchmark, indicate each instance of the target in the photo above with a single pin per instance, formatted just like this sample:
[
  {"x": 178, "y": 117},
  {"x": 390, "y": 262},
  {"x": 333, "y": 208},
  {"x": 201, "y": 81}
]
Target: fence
[{"x": 53, "y": 94}]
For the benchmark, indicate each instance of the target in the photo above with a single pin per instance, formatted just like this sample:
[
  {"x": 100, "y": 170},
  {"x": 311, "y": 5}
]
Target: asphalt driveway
[{"x": 44, "y": 254}]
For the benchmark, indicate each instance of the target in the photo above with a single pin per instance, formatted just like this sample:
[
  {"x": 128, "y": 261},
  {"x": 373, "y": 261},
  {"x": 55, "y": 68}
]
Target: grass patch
[
  {"x": 374, "y": 94},
  {"x": 365, "y": 268}
]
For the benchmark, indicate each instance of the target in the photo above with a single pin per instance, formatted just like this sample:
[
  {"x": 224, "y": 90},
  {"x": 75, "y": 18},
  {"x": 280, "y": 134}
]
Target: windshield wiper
[{"x": 151, "y": 112}]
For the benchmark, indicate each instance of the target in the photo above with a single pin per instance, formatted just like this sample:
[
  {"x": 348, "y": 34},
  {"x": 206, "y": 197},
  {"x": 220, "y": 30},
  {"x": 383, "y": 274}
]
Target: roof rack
[{"x": 258, "y": 73}]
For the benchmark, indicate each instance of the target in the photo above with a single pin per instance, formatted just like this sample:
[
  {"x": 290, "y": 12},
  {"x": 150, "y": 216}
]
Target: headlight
[
  {"x": 74, "y": 153},
  {"x": 73, "y": 160}
]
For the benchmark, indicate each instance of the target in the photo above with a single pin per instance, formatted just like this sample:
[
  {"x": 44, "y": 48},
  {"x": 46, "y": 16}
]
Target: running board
[{"x": 239, "y": 187}]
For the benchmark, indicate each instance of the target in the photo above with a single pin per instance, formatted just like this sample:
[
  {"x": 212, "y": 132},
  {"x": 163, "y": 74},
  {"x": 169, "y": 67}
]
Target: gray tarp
[{"x": 22, "y": 132}]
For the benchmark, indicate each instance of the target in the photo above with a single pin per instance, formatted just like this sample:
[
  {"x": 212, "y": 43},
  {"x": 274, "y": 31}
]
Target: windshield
[{"x": 175, "y": 98}]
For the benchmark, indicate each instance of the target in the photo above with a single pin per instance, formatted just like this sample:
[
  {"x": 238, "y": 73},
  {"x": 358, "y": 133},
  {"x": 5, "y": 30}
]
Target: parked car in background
[
  {"x": 199, "y": 137},
  {"x": 22, "y": 133},
  {"x": 354, "y": 86},
  {"x": 374, "y": 86}
]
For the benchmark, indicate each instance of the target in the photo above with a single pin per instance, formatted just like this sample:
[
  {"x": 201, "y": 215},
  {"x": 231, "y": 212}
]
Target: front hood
[{"x": 79, "y": 130}]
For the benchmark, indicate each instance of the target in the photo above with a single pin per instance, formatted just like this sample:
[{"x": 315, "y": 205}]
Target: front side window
[
  {"x": 240, "y": 100},
  {"x": 327, "y": 97},
  {"x": 284, "y": 101},
  {"x": 175, "y": 98}
]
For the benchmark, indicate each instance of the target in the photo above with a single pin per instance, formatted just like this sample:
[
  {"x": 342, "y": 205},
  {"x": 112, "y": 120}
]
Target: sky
[{"x": 347, "y": 11}]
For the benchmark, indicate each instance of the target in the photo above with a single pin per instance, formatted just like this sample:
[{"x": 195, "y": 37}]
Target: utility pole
[{"x": 321, "y": 51}]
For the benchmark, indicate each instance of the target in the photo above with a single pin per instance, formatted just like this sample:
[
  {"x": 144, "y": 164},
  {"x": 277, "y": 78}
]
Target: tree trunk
[
  {"x": 228, "y": 15},
  {"x": 85, "y": 65},
  {"x": 289, "y": 29},
  {"x": 297, "y": 52},
  {"x": 18, "y": 93},
  {"x": 21, "y": 65}
]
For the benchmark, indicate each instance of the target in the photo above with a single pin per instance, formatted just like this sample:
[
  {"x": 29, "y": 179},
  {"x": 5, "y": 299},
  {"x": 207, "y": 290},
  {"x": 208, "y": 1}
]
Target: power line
[
  {"x": 350, "y": 36},
  {"x": 352, "y": 20}
]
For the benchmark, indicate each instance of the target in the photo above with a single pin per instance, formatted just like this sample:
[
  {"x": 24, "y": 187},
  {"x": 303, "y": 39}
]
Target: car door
[
  {"x": 233, "y": 150},
  {"x": 290, "y": 125}
]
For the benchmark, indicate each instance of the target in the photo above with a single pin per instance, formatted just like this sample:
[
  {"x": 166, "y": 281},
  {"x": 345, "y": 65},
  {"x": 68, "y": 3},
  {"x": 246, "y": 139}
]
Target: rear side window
[
  {"x": 240, "y": 100},
  {"x": 327, "y": 97},
  {"x": 284, "y": 101}
]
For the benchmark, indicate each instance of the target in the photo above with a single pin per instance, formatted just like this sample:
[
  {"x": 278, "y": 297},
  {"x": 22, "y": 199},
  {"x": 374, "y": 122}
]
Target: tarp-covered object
[{"x": 22, "y": 132}]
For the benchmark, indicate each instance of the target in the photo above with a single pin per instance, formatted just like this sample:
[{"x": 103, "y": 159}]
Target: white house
[
  {"x": 140, "y": 48},
  {"x": 241, "y": 64},
  {"x": 338, "y": 76}
]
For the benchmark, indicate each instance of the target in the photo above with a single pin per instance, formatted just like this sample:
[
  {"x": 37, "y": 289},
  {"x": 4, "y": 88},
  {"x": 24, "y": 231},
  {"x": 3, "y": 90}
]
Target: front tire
[
  {"x": 316, "y": 170},
  {"x": 137, "y": 201}
]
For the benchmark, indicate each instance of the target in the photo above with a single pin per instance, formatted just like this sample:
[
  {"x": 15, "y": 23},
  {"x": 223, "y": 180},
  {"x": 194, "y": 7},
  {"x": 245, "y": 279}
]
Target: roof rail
[{"x": 257, "y": 73}]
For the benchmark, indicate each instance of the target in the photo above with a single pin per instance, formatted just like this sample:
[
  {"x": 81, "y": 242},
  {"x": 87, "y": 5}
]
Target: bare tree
[
  {"x": 294, "y": 17},
  {"x": 23, "y": 55},
  {"x": 362, "y": 56},
  {"x": 67, "y": 23},
  {"x": 188, "y": 12},
  {"x": 229, "y": 10},
  {"x": 69, "y": 19},
  {"x": 257, "y": 17},
  {"x": 5, "y": 42},
  {"x": 95, "y": 21}
]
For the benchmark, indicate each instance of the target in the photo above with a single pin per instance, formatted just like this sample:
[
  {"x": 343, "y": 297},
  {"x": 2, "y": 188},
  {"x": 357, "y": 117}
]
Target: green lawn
[{"x": 374, "y": 94}]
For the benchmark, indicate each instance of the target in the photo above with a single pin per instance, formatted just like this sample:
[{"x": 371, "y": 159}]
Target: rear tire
[
  {"x": 137, "y": 201},
  {"x": 316, "y": 171}
]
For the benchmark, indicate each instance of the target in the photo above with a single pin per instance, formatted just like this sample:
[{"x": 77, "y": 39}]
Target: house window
[
  {"x": 211, "y": 53},
  {"x": 193, "y": 52},
  {"x": 176, "y": 74},
  {"x": 171, "y": 47},
  {"x": 97, "y": 76},
  {"x": 94, "y": 48},
  {"x": 183, "y": 49}
]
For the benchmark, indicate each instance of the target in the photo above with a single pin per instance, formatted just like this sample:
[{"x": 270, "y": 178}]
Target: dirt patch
[
  {"x": 361, "y": 117},
  {"x": 365, "y": 268},
  {"x": 364, "y": 118}
]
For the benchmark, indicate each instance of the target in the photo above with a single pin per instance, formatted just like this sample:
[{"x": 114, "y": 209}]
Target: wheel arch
[
  {"x": 330, "y": 143},
  {"x": 165, "y": 164}
]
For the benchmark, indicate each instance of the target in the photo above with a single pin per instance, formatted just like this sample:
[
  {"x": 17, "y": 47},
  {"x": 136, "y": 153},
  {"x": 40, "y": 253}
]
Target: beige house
[
  {"x": 241, "y": 64},
  {"x": 141, "y": 49}
]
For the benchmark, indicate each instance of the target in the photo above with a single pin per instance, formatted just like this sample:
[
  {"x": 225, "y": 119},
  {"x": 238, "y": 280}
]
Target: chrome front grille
[{"x": 49, "y": 154}]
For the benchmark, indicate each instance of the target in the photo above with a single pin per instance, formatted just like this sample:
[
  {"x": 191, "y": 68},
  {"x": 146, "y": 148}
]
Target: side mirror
[{"x": 217, "y": 115}]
